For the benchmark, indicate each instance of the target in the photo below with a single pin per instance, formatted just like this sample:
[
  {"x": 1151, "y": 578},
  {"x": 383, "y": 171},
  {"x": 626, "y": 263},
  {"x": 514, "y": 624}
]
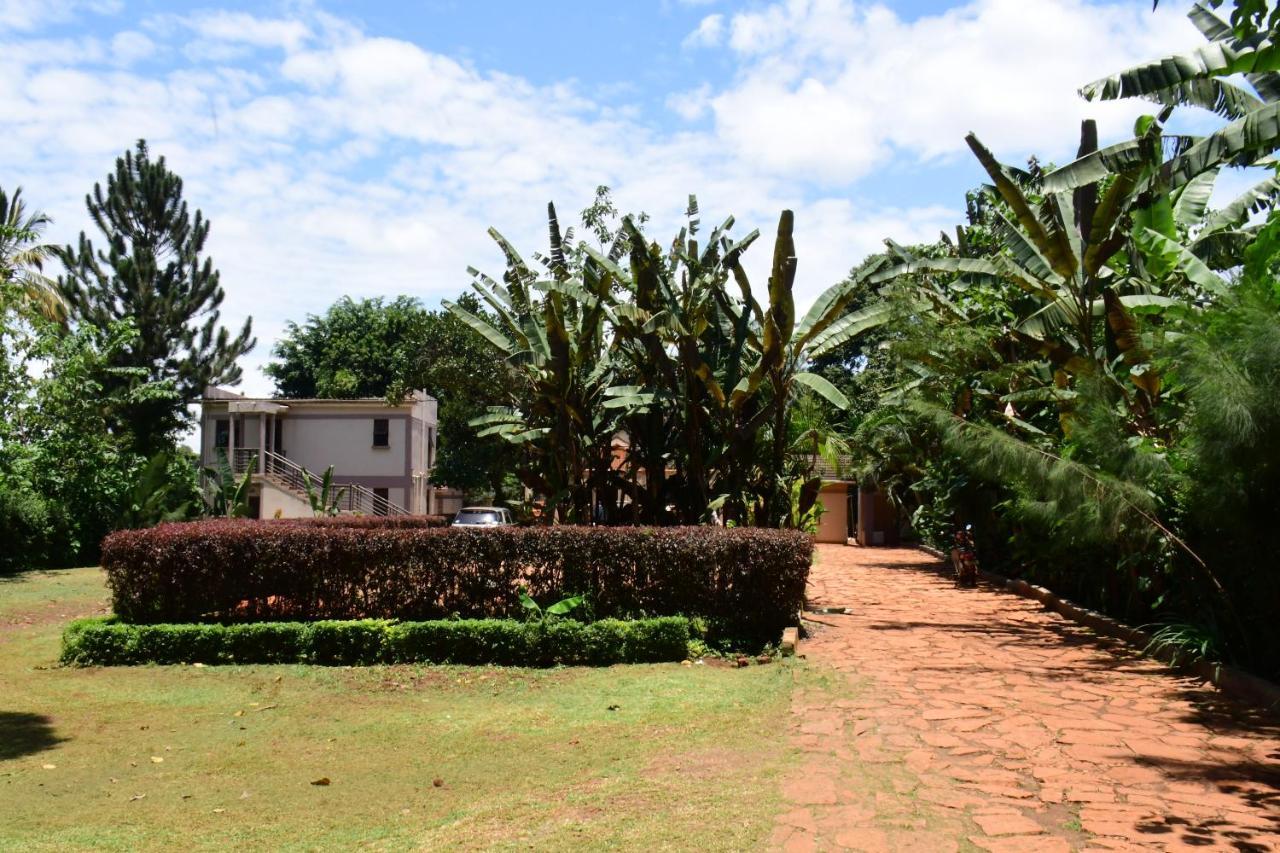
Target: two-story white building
[{"x": 382, "y": 454}]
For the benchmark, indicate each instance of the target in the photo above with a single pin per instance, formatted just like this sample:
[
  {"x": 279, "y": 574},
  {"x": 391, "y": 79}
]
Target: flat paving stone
[{"x": 982, "y": 718}]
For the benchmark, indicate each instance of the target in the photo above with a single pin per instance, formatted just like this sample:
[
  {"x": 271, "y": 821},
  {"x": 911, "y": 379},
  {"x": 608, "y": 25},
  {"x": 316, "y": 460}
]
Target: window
[
  {"x": 221, "y": 433},
  {"x": 279, "y": 440},
  {"x": 385, "y": 494},
  {"x": 381, "y": 432}
]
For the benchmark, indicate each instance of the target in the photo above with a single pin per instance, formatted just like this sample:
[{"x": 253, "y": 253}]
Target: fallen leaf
[
  {"x": 219, "y": 811},
  {"x": 186, "y": 796},
  {"x": 239, "y": 713},
  {"x": 155, "y": 759},
  {"x": 323, "y": 780},
  {"x": 278, "y": 679},
  {"x": 268, "y": 707},
  {"x": 615, "y": 707},
  {"x": 254, "y": 704},
  {"x": 50, "y": 766},
  {"x": 438, "y": 783},
  {"x": 244, "y": 795},
  {"x": 137, "y": 797}
]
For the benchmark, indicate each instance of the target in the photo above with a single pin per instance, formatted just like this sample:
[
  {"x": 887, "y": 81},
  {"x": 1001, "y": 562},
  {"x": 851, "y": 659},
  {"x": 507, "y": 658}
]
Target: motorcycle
[{"x": 964, "y": 557}]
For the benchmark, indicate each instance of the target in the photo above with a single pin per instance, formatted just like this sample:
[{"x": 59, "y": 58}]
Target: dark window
[
  {"x": 385, "y": 494},
  {"x": 221, "y": 433},
  {"x": 239, "y": 422},
  {"x": 381, "y": 432},
  {"x": 279, "y": 441}
]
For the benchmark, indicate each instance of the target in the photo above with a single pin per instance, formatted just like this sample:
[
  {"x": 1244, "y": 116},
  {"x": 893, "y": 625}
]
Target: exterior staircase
[{"x": 289, "y": 476}]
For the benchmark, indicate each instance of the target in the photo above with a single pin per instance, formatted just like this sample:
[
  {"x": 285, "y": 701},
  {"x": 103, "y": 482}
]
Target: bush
[
  {"x": 107, "y": 642},
  {"x": 747, "y": 582},
  {"x": 25, "y": 528}
]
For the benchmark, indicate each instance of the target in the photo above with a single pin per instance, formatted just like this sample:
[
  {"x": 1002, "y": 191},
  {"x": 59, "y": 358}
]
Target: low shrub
[
  {"x": 748, "y": 583},
  {"x": 109, "y": 642}
]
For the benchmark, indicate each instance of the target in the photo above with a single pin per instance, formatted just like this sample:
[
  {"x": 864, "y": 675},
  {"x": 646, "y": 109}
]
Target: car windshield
[{"x": 478, "y": 516}]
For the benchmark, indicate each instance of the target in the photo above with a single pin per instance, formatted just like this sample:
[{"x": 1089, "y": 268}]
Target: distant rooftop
[{"x": 213, "y": 393}]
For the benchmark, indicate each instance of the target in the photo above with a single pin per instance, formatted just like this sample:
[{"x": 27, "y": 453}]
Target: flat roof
[{"x": 222, "y": 395}]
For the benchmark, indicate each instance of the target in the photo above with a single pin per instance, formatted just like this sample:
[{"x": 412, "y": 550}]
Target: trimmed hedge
[
  {"x": 745, "y": 583},
  {"x": 506, "y": 642}
]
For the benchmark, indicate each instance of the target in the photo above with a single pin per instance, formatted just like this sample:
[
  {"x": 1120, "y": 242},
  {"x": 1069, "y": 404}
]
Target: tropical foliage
[
  {"x": 326, "y": 498},
  {"x": 1086, "y": 372},
  {"x": 653, "y": 385},
  {"x": 23, "y": 284},
  {"x": 227, "y": 496}
]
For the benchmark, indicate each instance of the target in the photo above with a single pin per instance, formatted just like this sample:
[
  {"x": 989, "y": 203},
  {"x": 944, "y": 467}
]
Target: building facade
[{"x": 383, "y": 454}]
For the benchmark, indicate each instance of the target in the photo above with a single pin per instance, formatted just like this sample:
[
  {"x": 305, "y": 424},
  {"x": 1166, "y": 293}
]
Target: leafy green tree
[
  {"x": 457, "y": 367},
  {"x": 56, "y": 441},
  {"x": 380, "y": 348},
  {"x": 151, "y": 270},
  {"x": 355, "y": 349}
]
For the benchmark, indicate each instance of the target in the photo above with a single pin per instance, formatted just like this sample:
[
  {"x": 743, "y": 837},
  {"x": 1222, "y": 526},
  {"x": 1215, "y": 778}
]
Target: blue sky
[{"x": 363, "y": 148}]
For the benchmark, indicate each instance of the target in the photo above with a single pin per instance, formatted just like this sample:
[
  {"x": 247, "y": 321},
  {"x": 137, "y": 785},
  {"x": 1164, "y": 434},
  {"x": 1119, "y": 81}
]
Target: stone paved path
[{"x": 975, "y": 719}]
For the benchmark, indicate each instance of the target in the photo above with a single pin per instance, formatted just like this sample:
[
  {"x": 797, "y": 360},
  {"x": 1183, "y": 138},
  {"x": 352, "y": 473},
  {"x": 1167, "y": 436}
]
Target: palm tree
[{"x": 22, "y": 283}]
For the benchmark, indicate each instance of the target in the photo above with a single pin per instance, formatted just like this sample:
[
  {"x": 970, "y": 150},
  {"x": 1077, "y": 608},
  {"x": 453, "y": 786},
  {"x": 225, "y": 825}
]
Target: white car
[{"x": 483, "y": 516}]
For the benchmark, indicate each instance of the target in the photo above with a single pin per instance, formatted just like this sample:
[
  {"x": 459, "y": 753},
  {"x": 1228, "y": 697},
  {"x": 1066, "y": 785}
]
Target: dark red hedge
[{"x": 747, "y": 581}]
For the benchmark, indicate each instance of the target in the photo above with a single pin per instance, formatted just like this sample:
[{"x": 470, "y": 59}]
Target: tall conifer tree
[{"x": 152, "y": 271}]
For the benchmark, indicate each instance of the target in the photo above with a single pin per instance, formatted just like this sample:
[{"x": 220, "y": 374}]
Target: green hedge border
[{"x": 105, "y": 641}]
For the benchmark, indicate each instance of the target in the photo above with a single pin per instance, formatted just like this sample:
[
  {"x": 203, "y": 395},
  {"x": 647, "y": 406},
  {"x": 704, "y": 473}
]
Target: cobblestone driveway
[{"x": 980, "y": 720}]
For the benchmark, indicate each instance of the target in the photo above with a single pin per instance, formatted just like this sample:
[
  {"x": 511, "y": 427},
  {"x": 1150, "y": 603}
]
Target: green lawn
[{"x": 203, "y": 757}]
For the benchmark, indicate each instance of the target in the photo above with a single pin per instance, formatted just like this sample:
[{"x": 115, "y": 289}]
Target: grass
[{"x": 660, "y": 756}]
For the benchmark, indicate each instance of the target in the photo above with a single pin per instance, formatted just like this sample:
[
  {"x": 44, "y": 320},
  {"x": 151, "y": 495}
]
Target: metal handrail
[{"x": 355, "y": 497}]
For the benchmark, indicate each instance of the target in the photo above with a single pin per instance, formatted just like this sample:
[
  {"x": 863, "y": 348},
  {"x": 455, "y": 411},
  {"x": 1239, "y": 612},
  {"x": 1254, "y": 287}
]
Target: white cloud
[
  {"x": 830, "y": 89},
  {"x": 243, "y": 28},
  {"x": 710, "y": 33},
  {"x": 130, "y": 46},
  {"x": 27, "y": 15}
]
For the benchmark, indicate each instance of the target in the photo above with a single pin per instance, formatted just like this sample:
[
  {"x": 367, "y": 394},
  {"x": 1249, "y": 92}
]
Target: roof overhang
[{"x": 265, "y": 407}]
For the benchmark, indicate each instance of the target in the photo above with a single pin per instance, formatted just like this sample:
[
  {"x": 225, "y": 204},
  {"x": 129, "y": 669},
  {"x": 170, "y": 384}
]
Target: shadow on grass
[
  {"x": 16, "y": 575},
  {"x": 25, "y": 734}
]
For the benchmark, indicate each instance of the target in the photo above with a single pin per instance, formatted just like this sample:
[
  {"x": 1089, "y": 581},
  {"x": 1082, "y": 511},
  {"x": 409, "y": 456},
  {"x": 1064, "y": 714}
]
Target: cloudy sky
[{"x": 339, "y": 150}]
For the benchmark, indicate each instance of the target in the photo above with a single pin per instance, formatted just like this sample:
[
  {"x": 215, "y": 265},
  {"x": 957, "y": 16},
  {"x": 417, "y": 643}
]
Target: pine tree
[{"x": 152, "y": 273}]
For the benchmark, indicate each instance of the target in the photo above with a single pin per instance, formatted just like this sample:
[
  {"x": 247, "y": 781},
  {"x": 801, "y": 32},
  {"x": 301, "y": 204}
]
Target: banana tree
[
  {"x": 225, "y": 496},
  {"x": 1202, "y": 77},
  {"x": 326, "y": 501},
  {"x": 670, "y": 348},
  {"x": 552, "y": 329}
]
